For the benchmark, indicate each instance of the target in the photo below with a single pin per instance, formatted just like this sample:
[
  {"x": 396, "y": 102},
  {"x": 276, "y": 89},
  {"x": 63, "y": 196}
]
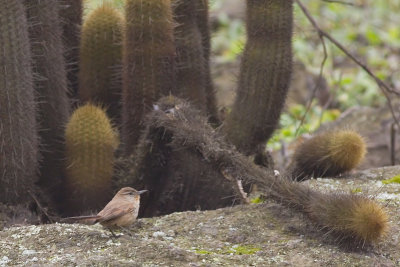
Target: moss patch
[{"x": 394, "y": 179}]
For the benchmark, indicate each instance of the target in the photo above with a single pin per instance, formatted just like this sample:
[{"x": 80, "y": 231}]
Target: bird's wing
[{"x": 109, "y": 213}]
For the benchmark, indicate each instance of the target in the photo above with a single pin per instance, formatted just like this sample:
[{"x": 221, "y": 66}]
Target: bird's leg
[
  {"x": 114, "y": 235},
  {"x": 125, "y": 230}
]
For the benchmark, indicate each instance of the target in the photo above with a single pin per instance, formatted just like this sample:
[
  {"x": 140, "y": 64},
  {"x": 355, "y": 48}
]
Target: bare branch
[
  {"x": 386, "y": 89},
  {"x": 317, "y": 85},
  {"x": 339, "y": 2}
]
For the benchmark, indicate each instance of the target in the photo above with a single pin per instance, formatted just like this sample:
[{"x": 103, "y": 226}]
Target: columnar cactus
[
  {"x": 264, "y": 74},
  {"x": 100, "y": 59},
  {"x": 190, "y": 60},
  {"x": 148, "y": 58},
  {"x": 71, "y": 14},
  {"x": 202, "y": 16},
  {"x": 90, "y": 145},
  {"x": 50, "y": 83},
  {"x": 18, "y": 130}
]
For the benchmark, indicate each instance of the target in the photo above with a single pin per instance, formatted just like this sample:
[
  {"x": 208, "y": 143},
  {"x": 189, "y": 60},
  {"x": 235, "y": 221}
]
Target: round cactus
[
  {"x": 90, "y": 145},
  {"x": 328, "y": 154}
]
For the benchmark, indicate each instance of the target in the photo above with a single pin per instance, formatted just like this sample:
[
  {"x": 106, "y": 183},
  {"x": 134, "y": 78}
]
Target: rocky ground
[{"x": 265, "y": 234}]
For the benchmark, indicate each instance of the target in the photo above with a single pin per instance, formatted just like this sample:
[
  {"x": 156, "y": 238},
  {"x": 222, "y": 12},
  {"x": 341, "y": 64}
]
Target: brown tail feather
[{"x": 90, "y": 219}]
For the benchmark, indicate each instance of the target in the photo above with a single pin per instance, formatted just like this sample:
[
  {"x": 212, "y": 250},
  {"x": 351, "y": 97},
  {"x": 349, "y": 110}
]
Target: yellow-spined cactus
[
  {"x": 90, "y": 145},
  {"x": 328, "y": 154},
  {"x": 100, "y": 59}
]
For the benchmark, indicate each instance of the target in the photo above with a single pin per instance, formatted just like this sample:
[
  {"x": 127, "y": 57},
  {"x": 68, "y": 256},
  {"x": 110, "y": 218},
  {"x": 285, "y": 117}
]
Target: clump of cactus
[
  {"x": 328, "y": 154},
  {"x": 18, "y": 129},
  {"x": 180, "y": 147},
  {"x": 90, "y": 145},
  {"x": 264, "y": 74},
  {"x": 100, "y": 63},
  {"x": 148, "y": 58}
]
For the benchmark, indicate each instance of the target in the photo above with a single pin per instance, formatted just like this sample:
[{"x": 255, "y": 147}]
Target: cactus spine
[
  {"x": 18, "y": 133},
  {"x": 90, "y": 145},
  {"x": 328, "y": 154},
  {"x": 264, "y": 74},
  {"x": 45, "y": 33},
  {"x": 148, "y": 58},
  {"x": 100, "y": 59},
  {"x": 190, "y": 60}
]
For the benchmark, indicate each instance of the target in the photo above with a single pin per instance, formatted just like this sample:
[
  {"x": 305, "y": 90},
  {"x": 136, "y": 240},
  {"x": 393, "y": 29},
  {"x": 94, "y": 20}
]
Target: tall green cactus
[
  {"x": 71, "y": 14},
  {"x": 148, "y": 58},
  {"x": 18, "y": 133},
  {"x": 45, "y": 34},
  {"x": 190, "y": 60},
  {"x": 90, "y": 145},
  {"x": 264, "y": 74},
  {"x": 100, "y": 59}
]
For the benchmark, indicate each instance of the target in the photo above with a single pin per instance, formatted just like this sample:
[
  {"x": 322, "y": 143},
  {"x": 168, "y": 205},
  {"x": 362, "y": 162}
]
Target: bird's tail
[{"x": 90, "y": 219}]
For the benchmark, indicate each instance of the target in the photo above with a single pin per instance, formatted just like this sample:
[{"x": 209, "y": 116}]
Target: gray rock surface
[{"x": 266, "y": 234}]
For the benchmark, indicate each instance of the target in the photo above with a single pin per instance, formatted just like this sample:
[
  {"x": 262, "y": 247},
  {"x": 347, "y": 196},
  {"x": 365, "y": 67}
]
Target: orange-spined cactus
[{"x": 328, "y": 154}]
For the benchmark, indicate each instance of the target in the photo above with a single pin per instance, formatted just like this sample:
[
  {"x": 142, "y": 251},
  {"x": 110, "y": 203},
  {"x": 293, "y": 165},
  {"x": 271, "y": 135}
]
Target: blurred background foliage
[{"x": 369, "y": 29}]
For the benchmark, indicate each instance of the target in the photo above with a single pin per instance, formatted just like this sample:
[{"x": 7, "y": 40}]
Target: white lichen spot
[
  {"x": 16, "y": 236},
  {"x": 112, "y": 243},
  {"x": 28, "y": 252},
  {"x": 388, "y": 196},
  {"x": 4, "y": 261},
  {"x": 159, "y": 234}
]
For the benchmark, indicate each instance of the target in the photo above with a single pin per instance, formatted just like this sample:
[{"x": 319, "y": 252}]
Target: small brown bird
[{"x": 120, "y": 212}]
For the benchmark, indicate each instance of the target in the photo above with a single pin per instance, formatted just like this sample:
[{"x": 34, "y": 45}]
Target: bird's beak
[{"x": 142, "y": 191}]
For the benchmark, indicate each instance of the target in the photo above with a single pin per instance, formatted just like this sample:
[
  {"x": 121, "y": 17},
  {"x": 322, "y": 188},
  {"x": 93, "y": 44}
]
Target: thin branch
[
  {"x": 41, "y": 208},
  {"x": 317, "y": 85},
  {"x": 238, "y": 185},
  {"x": 393, "y": 134},
  {"x": 381, "y": 84},
  {"x": 339, "y": 2}
]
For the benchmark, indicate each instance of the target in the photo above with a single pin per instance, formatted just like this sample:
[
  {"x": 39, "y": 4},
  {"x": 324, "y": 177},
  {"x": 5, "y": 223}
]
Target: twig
[
  {"x": 393, "y": 131},
  {"x": 381, "y": 84},
  {"x": 339, "y": 2},
  {"x": 317, "y": 85},
  {"x": 43, "y": 210},
  {"x": 238, "y": 183}
]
